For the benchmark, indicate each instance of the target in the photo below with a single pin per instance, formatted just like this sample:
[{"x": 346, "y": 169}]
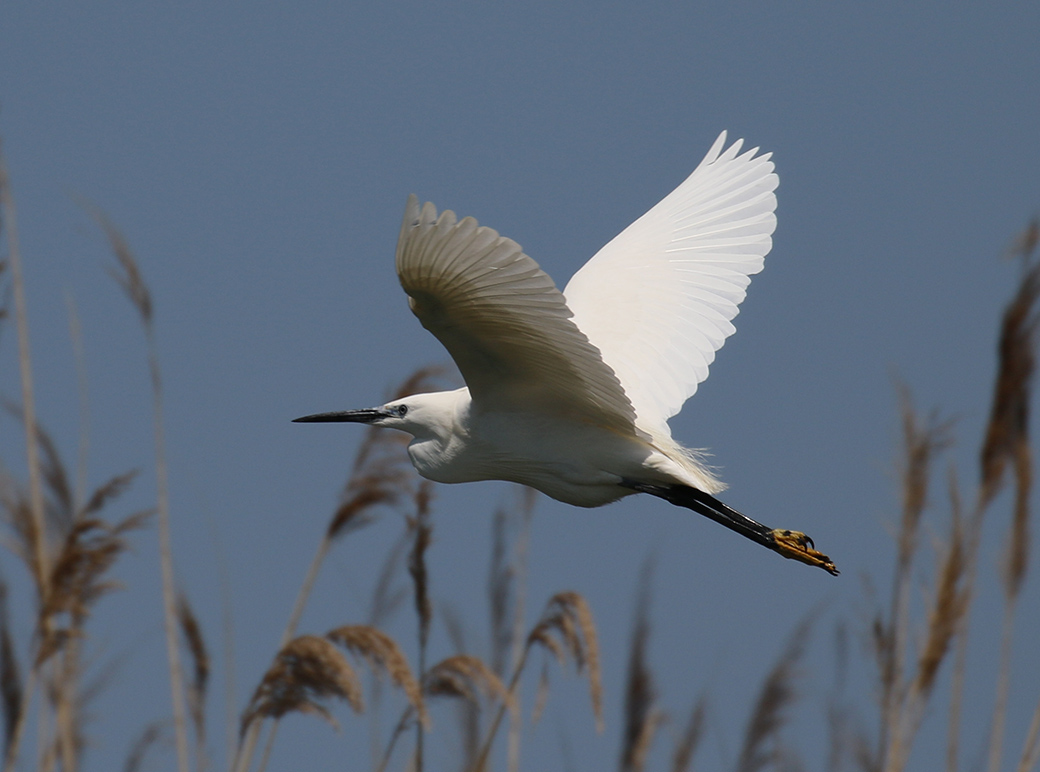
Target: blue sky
[{"x": 258, "y": 157}]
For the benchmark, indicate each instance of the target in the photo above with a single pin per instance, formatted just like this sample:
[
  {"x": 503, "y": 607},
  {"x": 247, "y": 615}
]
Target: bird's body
[
  {"x": 570, "y": 393},
  {"x": 576, "y": 462}
]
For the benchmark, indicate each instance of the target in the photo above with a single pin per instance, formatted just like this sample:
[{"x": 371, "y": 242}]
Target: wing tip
[
  {"x": 716, "y": 148},
  {"x": 719, "y": 151},
  {"x": 412, "y": 213}
]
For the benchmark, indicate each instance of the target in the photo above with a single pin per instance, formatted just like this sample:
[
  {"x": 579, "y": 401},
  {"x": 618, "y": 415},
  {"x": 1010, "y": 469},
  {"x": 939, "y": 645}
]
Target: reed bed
[{"x": 68, "y": 543}]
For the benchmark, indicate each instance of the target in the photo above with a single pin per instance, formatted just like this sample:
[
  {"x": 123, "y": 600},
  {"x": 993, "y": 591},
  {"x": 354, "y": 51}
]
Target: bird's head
[{"x": 421, "y": 415}]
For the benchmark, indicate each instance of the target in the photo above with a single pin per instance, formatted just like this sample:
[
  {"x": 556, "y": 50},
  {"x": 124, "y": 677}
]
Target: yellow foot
[{"x": 797, "y": 546}]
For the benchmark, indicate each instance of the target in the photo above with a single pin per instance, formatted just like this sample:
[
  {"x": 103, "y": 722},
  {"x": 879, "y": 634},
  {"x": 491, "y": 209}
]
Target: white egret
[{"x": 570, "y": 393}]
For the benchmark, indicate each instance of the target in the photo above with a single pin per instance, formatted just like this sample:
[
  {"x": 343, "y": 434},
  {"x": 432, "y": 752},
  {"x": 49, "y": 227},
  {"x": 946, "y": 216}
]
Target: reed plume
[
  {"x": 466, "y": 677},
  {"x": 762, "y": 745},
  {"x": 690, "y": 739},
  {"x": 642, "y": 717},
  {"x": 11, "y": 689},
  {"x": 83, "y": 548},
  {"x": 191, "y": 632},
  {"x": 383, "y": 655},
  {"x": 422, "y": 534},
  {"x": 128, "y": 276},
  {"x": 306, "y": 671},
  {"x": 1007, "y": 444}
]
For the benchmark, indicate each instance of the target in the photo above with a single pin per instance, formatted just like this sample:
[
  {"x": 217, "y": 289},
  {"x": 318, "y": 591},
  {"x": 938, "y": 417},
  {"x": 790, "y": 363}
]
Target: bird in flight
[{"x": 570, "y": 392}]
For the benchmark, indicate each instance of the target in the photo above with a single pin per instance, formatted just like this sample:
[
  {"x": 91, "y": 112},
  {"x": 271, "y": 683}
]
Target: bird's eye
[{"x": 402, "y": 411}]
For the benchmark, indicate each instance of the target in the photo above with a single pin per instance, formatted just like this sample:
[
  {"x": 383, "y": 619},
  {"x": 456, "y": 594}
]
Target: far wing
[
  {"x": 658, "y": 299},
  {"x": 503, "y": 321}
]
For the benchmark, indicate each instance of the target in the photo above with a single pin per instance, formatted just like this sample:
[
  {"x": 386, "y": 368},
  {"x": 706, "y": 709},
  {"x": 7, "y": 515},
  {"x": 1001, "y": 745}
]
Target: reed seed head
[{"x": 306, "y": 670}]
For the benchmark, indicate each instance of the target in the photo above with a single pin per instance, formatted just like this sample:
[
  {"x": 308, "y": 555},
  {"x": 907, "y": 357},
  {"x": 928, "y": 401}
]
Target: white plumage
[
  {"x": 571, "y": 392},
  {"x": 658, "y": 300}
]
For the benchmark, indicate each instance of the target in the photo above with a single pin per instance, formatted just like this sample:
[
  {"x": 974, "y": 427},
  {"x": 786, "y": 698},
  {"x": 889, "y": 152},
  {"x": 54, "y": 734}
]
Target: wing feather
[
  {"x": 503, "y": 321},
  {"x": 659, "y": 299}
]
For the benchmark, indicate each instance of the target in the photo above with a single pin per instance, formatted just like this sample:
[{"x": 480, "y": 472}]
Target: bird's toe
[{"x": 797, "y": 546}]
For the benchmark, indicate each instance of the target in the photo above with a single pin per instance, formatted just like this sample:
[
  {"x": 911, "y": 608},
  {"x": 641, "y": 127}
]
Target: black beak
[{"x": 366, "y": 416}]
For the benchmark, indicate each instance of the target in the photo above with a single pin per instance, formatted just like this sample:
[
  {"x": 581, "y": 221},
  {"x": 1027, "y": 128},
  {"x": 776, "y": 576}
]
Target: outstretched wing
[
  {"x": 658, "y": 299},
  {"x": 503, "y": 321}
]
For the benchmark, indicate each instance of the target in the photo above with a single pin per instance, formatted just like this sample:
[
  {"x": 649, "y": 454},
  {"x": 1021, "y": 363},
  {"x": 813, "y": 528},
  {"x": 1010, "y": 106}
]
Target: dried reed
[
  {"x": 382, "y": 654},
  {"x": 501, "y": 578},
  {"x": 17, "y": 516},
  {"x": 89, "y": 550},
  {"x": 565, "y": 628},
  {"x": 228, "y": 664},
  {"x": 127, "y": 274},
  {"x": 9, "y": 218},
  {"x": 468, "y": 712},
  {"x": 422, "y": 531},
  {"x": 923, "y": 440},
  {"x": 149, "y": 737},
  {"x": 10, "y": 676},
  {"x": 387, "y": 598},
  {"x": 1005, "y": 452},
  {"x": 40, "y": 563},
  {"x": 568, "y": 614},
  {"x": 4, "y": 314},
  {"x": 466, "y": 677},
  {"x": 1031, "y": 750},
  {"x": 86, "y": 554},
  {"x": 507, "y": 579},
  {"x": 642, "y": 717},
  {"x": 196, "y": 646},
  {"x": 84, "y": 547},
  {"x": 945, "y": 616},
  {"x": 505, "y": 595},
  {"x": 762, "y": 744},
  {"x": 690, "y": 739},
  {"x": 1007, "y": 433},
  {"x": 422, "y": 535},
  {"x": 308, "y": 669},
  {"x": 380, "y": 476},
  {"x": 402, "y": 726},
  {"x": 1007, "y": 442},
  {"x": 76, "y": 338}
]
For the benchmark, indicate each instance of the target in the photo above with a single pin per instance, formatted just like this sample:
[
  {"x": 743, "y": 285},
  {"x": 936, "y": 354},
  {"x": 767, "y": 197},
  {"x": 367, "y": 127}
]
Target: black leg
[{"x": 790, "y": 544}]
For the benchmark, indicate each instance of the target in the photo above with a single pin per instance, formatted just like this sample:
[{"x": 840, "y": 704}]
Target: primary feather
[{"x": 658, "y": 299}]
